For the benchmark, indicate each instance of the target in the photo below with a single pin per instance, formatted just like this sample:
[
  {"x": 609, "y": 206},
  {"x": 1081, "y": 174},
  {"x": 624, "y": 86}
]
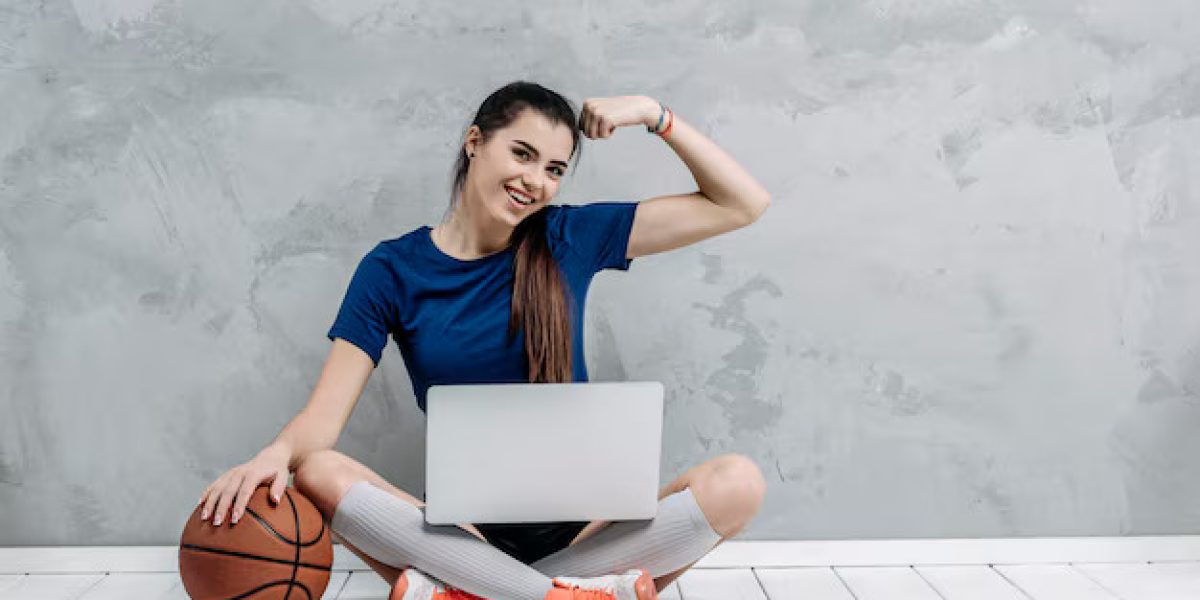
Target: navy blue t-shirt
[{"x": 449, "y": 317}]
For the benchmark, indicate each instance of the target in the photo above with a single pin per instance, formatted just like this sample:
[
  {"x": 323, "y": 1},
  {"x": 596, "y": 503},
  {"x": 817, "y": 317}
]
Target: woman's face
[{"x": 529, "y": 157}]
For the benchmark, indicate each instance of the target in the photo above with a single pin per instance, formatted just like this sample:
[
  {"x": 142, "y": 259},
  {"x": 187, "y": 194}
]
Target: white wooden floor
[
  {"x": 1099, "y": 581},
  {"x": 853, "y": 570}
]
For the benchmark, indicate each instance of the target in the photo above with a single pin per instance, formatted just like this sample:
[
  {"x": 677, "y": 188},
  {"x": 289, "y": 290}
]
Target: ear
[{"x": 471, "y": 145}]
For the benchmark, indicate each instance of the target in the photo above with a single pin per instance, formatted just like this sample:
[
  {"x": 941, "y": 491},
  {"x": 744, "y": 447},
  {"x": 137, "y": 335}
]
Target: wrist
[
  {"x": 278, "y": 450},
  {"x": 654, "y": 112}
]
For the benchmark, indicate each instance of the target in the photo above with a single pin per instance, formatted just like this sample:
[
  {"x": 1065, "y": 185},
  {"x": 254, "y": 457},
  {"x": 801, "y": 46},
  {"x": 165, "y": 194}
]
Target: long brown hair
[{"x": 542, "y": 303}]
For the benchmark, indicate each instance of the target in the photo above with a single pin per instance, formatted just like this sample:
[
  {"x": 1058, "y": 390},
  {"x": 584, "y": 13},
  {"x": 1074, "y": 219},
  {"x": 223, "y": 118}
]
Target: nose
[{"x": 527, "y": 181}]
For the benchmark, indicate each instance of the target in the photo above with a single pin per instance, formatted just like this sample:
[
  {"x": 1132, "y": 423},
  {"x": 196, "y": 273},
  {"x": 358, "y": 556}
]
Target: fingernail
[
  {"x": 203, "y": 514},
  {"x": 276, "y": 497},
  {"x": 217, "y": 520}
]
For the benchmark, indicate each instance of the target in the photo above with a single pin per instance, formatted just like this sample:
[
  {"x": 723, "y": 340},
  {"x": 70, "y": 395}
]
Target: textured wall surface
[{"x": 970, "y": 311}]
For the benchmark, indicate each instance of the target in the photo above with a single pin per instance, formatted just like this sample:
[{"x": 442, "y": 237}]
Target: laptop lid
[{"x": 527, "y": 453}]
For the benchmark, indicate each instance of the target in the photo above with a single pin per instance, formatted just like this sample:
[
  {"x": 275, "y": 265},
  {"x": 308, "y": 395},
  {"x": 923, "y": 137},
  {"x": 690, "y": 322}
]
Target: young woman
[{"x": 495, "y": 294}]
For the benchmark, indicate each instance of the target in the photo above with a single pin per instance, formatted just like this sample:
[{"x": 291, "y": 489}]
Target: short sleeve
[
  {"x": 599, "y": 232},
  {"x": 368, "y": 311}
]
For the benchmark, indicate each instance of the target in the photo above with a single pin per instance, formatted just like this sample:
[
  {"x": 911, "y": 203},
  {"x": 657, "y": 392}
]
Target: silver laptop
[{"x": 528, "y": 453}]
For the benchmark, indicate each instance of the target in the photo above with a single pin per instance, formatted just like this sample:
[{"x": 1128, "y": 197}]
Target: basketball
[{"x": 282, "y": 551}]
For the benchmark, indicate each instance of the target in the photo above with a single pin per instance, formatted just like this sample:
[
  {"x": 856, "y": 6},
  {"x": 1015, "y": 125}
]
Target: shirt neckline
[{"x": 427, "y": 237}]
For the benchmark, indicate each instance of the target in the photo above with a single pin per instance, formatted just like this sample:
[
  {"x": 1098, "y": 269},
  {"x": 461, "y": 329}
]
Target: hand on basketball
[
  {"x": 236, "y": 485},
  {"x": 601, "y": 116}
]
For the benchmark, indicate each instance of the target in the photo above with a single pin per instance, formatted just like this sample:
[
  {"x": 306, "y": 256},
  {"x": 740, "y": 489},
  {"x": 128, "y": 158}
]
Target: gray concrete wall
[{"x": 970, "y": 311}]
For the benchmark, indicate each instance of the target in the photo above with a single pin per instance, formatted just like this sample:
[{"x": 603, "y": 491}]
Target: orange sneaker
[
  {"x": 635, "y": 584},
  {"x": 415, "y": 585}
]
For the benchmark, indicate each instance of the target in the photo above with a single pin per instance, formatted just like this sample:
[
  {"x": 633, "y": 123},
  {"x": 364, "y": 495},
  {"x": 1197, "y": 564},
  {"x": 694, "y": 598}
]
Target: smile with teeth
[{"x": 518, "y": 198}]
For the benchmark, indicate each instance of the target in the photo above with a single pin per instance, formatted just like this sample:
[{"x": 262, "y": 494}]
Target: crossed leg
[{"x": 729, "y": 490}]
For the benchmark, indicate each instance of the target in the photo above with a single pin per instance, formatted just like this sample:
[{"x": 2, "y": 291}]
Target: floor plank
[
  {"x": 671, "y": 593},
  {"x": 9, "y": 581},
  {"x": 720, "y": 584},
  {"x": 150, "y": 586},
  {"x": 969, "y": 582},
  {"x": 1053, "y": 582},
  {"x": 886, "y": 583},
  {"x": 810, "y": 583},
  {"x": 1146, "y": 581},
  {"x": 51, "y": 587},
  {"x": 364, "y": 585},
  {"x": 337, "y": 580}
]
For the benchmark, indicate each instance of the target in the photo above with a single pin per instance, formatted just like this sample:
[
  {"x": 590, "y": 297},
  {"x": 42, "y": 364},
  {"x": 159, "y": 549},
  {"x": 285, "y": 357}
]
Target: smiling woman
[
  {"x": 496, "y": 294},
  {"x": 456, "y": 297}
]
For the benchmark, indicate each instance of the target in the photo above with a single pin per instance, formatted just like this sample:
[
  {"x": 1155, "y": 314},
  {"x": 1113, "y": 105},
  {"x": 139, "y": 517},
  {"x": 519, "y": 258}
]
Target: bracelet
[
  {"x": 670, "y": 123},
  {"x": 660, "y": 120}
]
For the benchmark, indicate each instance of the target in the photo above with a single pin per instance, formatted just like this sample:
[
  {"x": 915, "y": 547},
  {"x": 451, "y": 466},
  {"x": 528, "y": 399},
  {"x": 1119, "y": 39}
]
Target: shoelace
[
  {"x": 584, "y": 594},
  {"x": 581, "y": 593}
]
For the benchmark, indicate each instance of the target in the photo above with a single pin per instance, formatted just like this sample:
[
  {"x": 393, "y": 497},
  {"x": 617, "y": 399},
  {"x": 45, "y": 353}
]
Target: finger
[
  {"x": 212, "y": 494},
  {"x": 227, "y": 496},
  {"x": 592, "y": 127},
  {"x": 605, "y": 127},
  {"x": 210, "y": 505},
  {"x": 242, "y": 499},
  {"x": 589, "y": 123},
  {"x": 278, "y": 486}
]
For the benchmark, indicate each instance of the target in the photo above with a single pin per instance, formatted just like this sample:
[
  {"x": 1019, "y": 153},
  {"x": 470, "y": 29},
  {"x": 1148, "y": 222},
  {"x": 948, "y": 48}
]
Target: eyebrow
[{"x": 535, "y": 152}]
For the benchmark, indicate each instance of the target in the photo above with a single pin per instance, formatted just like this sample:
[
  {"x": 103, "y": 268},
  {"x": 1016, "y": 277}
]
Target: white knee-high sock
[
  {"x": 394, "y": 532},
  {"x": 675, "y": 538}
]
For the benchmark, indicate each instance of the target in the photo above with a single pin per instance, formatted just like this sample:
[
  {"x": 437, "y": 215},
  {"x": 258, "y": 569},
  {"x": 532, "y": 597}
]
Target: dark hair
[{"x": 542, "y": 303}]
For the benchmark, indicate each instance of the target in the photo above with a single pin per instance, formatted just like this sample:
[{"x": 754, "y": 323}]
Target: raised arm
[{"x": 728, "y": 197}]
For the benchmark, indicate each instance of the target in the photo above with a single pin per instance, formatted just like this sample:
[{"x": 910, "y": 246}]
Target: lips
[{"x": 519, "y": 194}]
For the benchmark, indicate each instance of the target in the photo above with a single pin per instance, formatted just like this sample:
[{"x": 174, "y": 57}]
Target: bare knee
[
  {"x": 324, "y": 477},
  {"x": 730, "y": 492}
]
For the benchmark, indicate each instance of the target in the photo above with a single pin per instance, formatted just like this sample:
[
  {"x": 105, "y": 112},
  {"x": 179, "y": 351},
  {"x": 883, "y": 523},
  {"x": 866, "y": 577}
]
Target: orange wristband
[{"x": 670, "y": 122}]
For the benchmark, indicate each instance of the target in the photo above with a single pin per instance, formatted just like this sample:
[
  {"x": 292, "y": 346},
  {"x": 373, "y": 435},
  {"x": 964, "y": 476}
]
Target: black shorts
[{"x": 530, "y": 542}]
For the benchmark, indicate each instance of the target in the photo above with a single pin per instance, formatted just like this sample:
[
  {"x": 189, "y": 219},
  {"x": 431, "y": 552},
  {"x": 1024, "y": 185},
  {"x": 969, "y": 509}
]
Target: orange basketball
[{"x": 279, "y": 551}]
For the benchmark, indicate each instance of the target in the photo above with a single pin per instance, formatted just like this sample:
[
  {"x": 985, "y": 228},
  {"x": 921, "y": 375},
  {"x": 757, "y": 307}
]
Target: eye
[{"x": 558, "y": 171}]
